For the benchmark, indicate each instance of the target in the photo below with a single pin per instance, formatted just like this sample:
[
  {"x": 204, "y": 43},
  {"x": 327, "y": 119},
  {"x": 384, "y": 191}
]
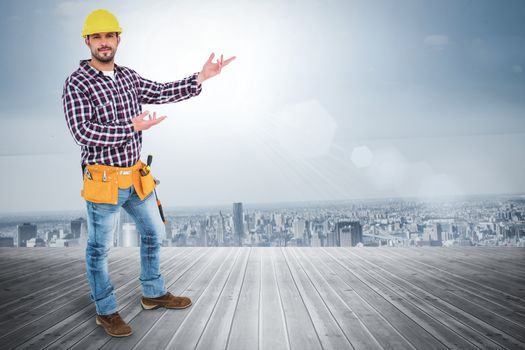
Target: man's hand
[
  {"x": 211, "y": 69},
  {"x": 139, "y": 123}
]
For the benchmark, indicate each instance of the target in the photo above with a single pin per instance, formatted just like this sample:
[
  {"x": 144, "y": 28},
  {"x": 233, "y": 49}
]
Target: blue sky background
[{"x": 326, "y": 100}]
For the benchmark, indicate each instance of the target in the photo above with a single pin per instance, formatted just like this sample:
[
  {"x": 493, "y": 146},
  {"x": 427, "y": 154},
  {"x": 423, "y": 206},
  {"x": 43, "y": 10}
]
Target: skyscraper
[
  {"x": 298, "y": 228},
  {"x": 220, "y": 229},
  {"x": 76, "y": 227},
  {"x": 349, "y": 233},
  {"x": 169, "y": 230},
  {"x": 315, "y": 241},
  {"x": 123, "y": 218},
  {"x": 130, "y": 236},
  {"x": 202, "y": 234},
  {"x": 331, "y": 239},
  {"x": 25, "y": 232},
  {"x": 238, "y": 226}
]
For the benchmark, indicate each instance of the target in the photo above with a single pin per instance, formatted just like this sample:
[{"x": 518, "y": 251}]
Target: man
[{"x": 102, "y": 105}]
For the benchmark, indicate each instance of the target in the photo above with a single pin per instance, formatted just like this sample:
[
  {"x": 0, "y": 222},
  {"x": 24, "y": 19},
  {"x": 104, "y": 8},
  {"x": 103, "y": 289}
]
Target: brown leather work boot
[
  {"x": 168, "y": 301},
  {"x": 114, "y": 325}
]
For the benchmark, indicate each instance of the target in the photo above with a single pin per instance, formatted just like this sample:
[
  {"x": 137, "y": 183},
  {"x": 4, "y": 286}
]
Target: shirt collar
[{"x": 93, "y": 72}]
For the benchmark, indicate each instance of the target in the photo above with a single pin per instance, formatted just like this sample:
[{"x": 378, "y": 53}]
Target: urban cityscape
[{"x": 474, "y": 221}]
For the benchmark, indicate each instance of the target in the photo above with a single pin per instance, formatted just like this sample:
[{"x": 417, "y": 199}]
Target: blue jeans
[{"x": 101, "y": 224}]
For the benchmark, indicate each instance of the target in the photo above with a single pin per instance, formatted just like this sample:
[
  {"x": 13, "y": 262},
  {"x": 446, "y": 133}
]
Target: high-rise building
[
  {"x": 130, "y": 236},
  {"x": 76, "y": 227},
  {"x": 258, "y": 219},
  {"x": 331, "y": 239},
  {"x": 438, "y": 230},
  {"x": 221, "y": 229},
  {"x": 169, "y": 230},
  {"x": 349, "y": 233},
  {"x": 269, "y": 230},
  {"x": 317, "y": 228},
  {"x": 123, "y": 218},
  {"x": 202, "y": 234},
  {"x": 432, "y": 234},
  {"x": 279, "y": 221},
  {"x": 238, "y": 226},
  {"x": 307, "y": 233},
  {"x": 298, "y": 228},
  {"x": 315, "y": 241},
  {"x": 25, "y": 232}
]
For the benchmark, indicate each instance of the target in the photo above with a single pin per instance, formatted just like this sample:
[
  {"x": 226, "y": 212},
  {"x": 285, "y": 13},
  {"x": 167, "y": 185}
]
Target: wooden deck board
[
  {"x": 217, "y": 330},
  {"x": 473, "y": 258},
  {"x": 356, "y": 334},
  {"x": 274, "y": 298},
  {"x": 490, "y": 277},
  {"x": 273, "y": 334},
  {"x": 244, "y": 331},
  {"x": 389, "y": 308},
  {"x": 496, "y": 293},
  {"x": 492, "y": 313},
  {"x": 380, "y": 329},
  {"x": 415, "y": 302},
  {"x": 328, "y": 331},
  {"x": 439, "y": 294},
  {"x": 300, "y": 328}
]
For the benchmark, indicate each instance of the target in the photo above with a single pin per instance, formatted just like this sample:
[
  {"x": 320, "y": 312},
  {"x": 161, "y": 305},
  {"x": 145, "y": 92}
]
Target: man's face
[{"x": 103, "y": 46}]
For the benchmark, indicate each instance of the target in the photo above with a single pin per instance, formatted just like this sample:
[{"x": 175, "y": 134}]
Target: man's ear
[
  {"x": 86, "y": 40},
  {"x": 118, "y": 39}
]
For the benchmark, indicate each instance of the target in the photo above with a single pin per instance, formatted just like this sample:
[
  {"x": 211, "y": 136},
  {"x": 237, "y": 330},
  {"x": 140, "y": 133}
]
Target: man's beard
[{"x": 104, "y": 58}]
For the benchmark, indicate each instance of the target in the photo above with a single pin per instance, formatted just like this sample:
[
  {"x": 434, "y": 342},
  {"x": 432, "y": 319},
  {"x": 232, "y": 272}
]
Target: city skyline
[{"x": 492, "y": 221}]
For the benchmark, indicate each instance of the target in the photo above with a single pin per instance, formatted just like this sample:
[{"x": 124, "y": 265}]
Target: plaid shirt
[{"x": 98, "y": 110}]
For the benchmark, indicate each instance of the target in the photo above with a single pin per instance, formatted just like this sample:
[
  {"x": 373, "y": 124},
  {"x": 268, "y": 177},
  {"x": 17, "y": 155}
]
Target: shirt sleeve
[
  {"x": 85, "y": 130},
  {"x": 151, "y": 92}
]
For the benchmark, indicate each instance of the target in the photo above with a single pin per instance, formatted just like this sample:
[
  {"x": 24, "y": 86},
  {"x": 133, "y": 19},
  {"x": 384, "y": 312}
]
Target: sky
[{"x": 326, "y": 100}]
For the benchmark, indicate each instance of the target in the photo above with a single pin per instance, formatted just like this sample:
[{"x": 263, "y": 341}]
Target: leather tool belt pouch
[
  {"x": 147, "y": 182},
  {"x": 101, "y": 182}
]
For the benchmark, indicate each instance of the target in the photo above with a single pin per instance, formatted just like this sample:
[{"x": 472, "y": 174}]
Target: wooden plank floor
[{"x": 274, "y": 298}]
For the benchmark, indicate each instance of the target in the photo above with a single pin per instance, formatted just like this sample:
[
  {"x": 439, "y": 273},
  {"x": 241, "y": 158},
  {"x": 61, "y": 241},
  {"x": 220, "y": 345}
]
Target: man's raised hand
[
  {"x": 139, "y": 123},
  {"x": 211, "y": 69}
]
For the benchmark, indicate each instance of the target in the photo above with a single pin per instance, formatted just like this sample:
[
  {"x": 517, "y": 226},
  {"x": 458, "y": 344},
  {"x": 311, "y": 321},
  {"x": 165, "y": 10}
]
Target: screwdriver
[{"x": 157, "y": 182}]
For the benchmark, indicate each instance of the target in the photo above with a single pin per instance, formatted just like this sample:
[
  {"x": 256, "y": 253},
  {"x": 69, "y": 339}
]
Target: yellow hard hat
[{"x": 100, "y": 21}]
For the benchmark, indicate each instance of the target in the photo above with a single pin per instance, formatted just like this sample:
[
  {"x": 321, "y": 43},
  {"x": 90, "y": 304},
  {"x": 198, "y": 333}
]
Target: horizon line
[{"x": 251, "y": 205}]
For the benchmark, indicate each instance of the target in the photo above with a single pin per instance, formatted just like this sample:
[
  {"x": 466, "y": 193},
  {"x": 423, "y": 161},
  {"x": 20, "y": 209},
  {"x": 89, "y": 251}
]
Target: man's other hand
[{"x": 140, "y": 123}]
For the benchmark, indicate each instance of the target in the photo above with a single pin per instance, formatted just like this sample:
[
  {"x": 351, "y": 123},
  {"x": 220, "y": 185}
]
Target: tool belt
[{"x": 101, "y": 182}]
